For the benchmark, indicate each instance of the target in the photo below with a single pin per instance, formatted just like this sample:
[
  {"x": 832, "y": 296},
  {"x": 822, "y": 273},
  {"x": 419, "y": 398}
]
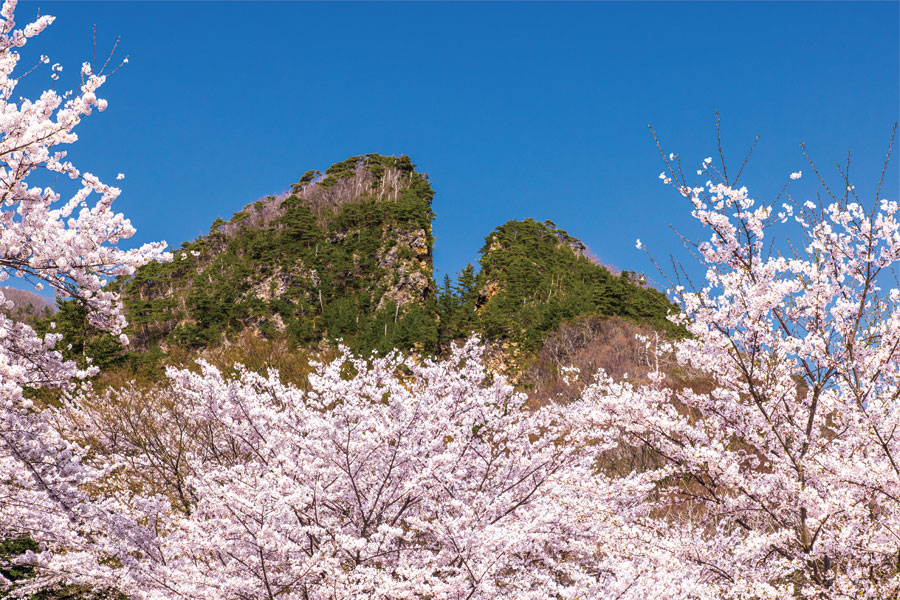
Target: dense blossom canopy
[{"x": 408, "y": 479}]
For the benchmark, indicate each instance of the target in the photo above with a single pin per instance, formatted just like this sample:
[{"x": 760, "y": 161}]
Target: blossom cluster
[
  {"x": 71, "y": 246},
  {"x": 783, "y": 461}
]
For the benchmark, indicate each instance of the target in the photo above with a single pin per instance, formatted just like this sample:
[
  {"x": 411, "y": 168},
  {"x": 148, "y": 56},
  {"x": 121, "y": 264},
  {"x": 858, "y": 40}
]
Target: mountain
[
  {"x": 535, "y": 276},
  {"x": 346, "y": 255},
  {"x": 26, "y": 306}
]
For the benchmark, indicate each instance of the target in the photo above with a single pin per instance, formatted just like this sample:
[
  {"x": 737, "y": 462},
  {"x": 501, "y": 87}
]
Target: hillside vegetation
[
  {"x": 346, "y": 255},
  {"x": 533, "y": 277},
  {"x": 22, "y": 305}
]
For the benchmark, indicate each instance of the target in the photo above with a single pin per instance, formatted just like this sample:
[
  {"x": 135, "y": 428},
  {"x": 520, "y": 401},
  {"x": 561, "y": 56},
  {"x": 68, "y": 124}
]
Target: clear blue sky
[{"x": 514, "y": 109}]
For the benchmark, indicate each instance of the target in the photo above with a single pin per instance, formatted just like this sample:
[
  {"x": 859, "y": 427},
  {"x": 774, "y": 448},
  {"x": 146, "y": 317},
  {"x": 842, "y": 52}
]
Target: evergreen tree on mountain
[
  {"x": 457, "y": 307},
  {"x": 535, "y": 276},
  {"x": 347, "y": 256}
]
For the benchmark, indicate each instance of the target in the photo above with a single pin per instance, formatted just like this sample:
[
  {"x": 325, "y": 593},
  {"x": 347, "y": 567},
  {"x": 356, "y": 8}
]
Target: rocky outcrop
[
  {"x": 408, "y": 267},
  {"x": 338, "y": 252}
]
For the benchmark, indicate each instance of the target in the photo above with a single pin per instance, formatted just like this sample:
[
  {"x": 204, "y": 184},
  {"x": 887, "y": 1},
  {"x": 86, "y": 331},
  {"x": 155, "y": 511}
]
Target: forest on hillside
[{"x": 345, "y": 257}]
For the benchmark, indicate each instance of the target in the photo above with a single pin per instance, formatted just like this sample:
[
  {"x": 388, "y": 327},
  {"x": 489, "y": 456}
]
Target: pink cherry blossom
[
  {"x": 43, "y": 477},
  {"x": 780, "y": 468},
  {"x": 408, "y": 479}
]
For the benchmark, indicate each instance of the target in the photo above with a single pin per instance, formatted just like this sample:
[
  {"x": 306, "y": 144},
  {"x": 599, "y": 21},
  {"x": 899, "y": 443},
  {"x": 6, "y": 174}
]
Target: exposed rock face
[
  {"x": 407, "y": 266},
  {"x": 269, "y": 288},
  {"x": 347, "y": 254}
]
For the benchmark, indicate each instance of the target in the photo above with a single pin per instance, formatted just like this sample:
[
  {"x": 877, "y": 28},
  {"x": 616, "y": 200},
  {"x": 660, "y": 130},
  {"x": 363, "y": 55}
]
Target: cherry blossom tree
[
  {"x": 388, "y": 478},
  {"x": 781, "y": 472},
  {"x": 72, "y": 247}
]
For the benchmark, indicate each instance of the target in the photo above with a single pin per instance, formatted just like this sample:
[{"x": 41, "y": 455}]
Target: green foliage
[
  {"x": 9, "y": 550},
  {"x": 81, "y": 342},
  {"x": 457, "y": 305},
  {"x": 534, "y": 276},
  {"x": 300, "y": 270},
  {"x": 308, "y": 177}
]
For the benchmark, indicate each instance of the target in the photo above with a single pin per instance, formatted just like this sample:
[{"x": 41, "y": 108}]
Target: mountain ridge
[{"x": 346, "y": 255}]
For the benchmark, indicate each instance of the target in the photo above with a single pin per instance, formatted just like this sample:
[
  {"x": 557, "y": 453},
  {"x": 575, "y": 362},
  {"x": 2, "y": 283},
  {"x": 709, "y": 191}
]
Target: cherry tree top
[
  {"x": 62, "y": 242},
  {"x": 781, "y": 468}
]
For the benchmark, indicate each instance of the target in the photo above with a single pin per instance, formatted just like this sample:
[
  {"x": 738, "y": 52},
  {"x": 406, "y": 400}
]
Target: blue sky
[{"x": 514, "y": 109}]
